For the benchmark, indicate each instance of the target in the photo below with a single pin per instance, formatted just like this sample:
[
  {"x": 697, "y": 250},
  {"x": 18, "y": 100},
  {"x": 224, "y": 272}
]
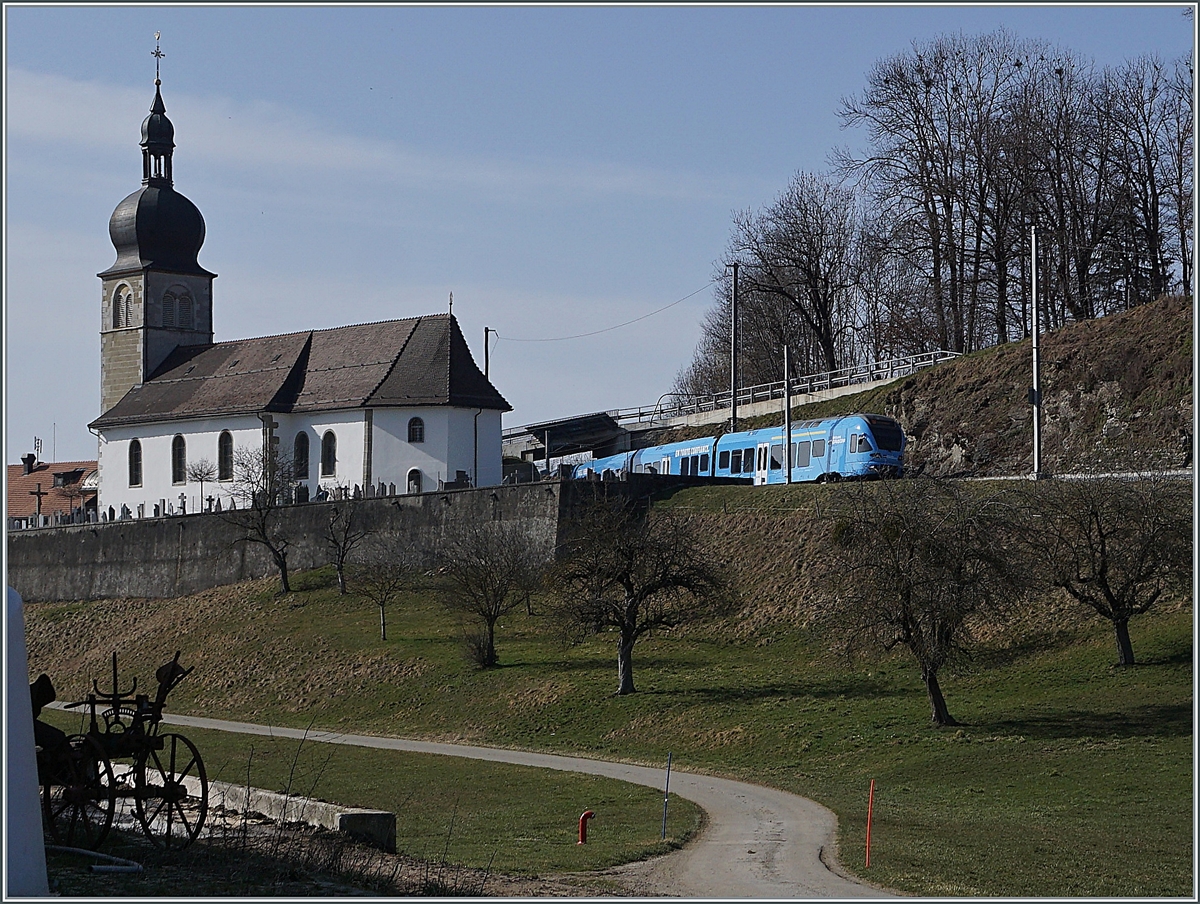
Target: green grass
[
  {"x": 516, "y": 819},
  {"x": 1069, "y": 776}
]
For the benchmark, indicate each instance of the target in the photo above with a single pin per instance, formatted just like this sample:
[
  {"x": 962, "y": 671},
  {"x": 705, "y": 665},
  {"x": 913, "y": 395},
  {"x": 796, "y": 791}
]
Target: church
[{"x": 373, "y": 409}]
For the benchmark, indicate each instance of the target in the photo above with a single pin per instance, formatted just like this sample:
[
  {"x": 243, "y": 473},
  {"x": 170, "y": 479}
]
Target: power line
[{"x": 608, "y": 329}]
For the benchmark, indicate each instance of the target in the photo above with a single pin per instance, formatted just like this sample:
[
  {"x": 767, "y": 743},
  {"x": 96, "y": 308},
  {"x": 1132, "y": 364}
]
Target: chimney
[{"x": 27, "y": 462}]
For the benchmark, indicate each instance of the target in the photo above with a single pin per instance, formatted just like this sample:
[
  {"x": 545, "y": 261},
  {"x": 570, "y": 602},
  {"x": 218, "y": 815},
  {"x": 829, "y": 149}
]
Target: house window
[
  {"x": 225, "y": 456},
  {"x": 416, "y": 430},
  {"x": 135, "y": 463},
  {"x": 300, "y": 455},
  {"x": 178, "y": 460},
  {"x": 328, "y": 454},
  {"x": 414, "y": 481}
]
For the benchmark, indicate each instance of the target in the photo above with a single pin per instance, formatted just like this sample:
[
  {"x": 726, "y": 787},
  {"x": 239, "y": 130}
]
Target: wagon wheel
[
  {"x": 170, "y": 792},
  {"x": 79, "y": 795}
]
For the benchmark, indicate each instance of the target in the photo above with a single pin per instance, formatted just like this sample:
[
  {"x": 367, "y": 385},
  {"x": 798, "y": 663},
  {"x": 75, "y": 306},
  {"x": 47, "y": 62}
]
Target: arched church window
[
  {"x": 178, "y": 460},
  {"x": 414, "y": 481},
  {"x": 328, "y": 454},
  {"x": 300, "y": 455},
  {"x": 121, "y": 306},
  {"x": 127, "y": 312},
  {"x": 168, "y": 310},
  {"x": 135, "y": 463},
  {"x": 185, "y": 311},
  {"x": 416, "y": 430},
  {"x": 225, "y": 456}
]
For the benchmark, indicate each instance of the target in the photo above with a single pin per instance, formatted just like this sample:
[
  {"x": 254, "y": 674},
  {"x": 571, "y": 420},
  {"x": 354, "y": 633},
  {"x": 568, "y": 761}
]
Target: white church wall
[
  {"x": 472, "y": 438},
  {"x": 449, "y": 447},
  {"x": 347, "y": 428},
  {"x": 393, "y": 456},
  {"x": 200, "y": 436}
]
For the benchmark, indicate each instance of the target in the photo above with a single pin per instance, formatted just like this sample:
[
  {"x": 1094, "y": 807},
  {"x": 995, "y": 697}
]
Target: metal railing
[{"x": 681, "y": 406}]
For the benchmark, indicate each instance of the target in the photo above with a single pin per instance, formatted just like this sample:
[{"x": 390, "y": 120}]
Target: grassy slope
[{"x": 1074, "y": 775}]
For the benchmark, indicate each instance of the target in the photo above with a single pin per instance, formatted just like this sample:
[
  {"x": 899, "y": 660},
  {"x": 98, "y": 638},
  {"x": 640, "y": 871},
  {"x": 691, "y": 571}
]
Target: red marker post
[
  {"x": 870, "y": 807},
  {"x": 583, "y": 823}
]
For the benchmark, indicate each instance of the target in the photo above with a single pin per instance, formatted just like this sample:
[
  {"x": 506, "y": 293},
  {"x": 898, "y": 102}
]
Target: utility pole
[
  {"x": 486, "y": 359},
  {"x": 787, "y": 417},
  {"x": 733, "y": 351},
  {"x": 1035, "y": 394}
]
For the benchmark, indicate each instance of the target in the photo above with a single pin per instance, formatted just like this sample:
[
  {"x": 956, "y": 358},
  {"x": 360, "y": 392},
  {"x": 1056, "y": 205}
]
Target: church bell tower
[{"x": 155, "y": 296}]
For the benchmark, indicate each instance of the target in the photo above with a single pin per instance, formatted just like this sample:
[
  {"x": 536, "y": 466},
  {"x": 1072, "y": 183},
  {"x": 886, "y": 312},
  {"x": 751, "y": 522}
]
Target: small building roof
[
  {"x": 21, "y": 487},
  {"x": 418, "y": 361},
  {"x": 576, "y": 434}
]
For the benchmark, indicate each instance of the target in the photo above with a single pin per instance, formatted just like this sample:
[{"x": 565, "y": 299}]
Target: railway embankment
[{"x": 1117, "y": 395}]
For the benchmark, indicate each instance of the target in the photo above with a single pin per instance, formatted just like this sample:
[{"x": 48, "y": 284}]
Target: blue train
[{"x": 836, "y": 448}]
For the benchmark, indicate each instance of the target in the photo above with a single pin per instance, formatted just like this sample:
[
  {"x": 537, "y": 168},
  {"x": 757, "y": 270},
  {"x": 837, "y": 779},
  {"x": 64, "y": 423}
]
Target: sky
[{"x": 561, "y": 170}]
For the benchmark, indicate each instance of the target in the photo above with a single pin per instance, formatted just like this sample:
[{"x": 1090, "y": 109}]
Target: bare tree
[
  {"x": 262, "y": 487},
  {"x": 636, "y": 572},
  {"x": 912, "y": 564},
  {"x": 201, "y": 471},
  {"x": 343, "y": 533},
  {"x": 69, "y": 490},
  {"x": 1116, "y": 545},
  {"x": 489, "y": 568},
  {"x": 1179, "y": 155},
  {"x": 382, "y": 571}
]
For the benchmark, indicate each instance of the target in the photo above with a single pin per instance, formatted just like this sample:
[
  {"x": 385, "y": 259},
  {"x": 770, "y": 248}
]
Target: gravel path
[{"x": 758, "y": 842}]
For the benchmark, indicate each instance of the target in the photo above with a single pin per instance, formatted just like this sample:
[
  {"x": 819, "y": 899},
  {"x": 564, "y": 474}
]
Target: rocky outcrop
[{"x": 1117, "y": 393}]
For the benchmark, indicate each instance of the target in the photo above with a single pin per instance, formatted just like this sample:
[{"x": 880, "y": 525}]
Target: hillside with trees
[{"x": 921, "y": 241}]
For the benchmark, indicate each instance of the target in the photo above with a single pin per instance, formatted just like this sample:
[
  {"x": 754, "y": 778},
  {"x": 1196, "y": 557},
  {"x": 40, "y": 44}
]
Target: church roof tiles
[{"x": 396, "y": 363}]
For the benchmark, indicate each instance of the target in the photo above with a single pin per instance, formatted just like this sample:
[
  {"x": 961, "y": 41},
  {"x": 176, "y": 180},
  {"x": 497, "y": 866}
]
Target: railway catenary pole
[
  {"x": 733, "y": 350},
  {"x": 1035, "y": 394},
  {"x": 787, "y": 417},
  {"x": 486, "y": 353}
]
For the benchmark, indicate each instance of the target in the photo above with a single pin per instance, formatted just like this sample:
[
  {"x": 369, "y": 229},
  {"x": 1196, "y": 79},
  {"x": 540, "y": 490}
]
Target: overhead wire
[{"x": 609, "y": 329}]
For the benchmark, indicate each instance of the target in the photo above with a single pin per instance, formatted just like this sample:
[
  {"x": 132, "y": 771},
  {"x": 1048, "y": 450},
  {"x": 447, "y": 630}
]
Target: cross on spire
[{"x": 158, "y": 55}]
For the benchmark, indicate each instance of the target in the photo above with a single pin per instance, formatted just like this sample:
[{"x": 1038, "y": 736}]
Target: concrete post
[{"x": 25, "y": 852}]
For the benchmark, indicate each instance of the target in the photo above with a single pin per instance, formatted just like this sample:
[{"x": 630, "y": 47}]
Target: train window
[
  {"x": 735, "y": 461},
  {"x": 776, "y": 456},
  {"x": 704, "y": 463},
  {"x": 802, "y": 452},
  {"x": 685, "y": 466},
  {"x": 723, "y": 460},
  {"x": 864, "y": 444},
  {"x": 887, "y": 432},
  {"x": 852, "y": 445},
  {"x": 747, "y": 460},
  {"x": 818, "y": 448}
]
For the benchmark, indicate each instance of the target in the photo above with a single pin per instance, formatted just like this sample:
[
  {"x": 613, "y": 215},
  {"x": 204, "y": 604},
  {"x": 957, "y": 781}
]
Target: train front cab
[{"x": 866, "y": 446}]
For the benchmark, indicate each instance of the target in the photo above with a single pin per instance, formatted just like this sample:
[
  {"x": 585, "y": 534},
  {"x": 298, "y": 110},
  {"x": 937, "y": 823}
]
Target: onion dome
[{"x": 156, "y": 226}]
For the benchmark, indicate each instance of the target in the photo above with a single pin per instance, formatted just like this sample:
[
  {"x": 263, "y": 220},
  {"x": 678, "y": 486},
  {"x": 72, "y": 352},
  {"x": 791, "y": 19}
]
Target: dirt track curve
[{"x": 758, "y": 842}]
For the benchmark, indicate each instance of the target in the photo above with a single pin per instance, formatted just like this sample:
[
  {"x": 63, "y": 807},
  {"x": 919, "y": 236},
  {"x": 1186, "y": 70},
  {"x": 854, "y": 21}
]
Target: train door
[
  {"x": 666, "y": 466},
  {"x": 761, "y": 464}
]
